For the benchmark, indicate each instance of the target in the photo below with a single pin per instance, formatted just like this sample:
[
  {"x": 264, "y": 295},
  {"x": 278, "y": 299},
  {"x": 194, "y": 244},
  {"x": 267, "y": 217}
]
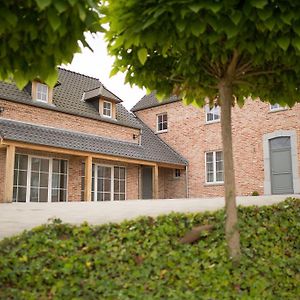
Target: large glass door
[
  {"x": 108, "y": 183},
  {"x": 39, "y": 180},
  {"x": 104, "y": 182}
]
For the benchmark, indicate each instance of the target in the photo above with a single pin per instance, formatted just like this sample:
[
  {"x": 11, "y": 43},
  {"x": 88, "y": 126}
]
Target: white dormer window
[
  {"x": 212, "y": 115},
  {"x": 107, "y": 109},
  {"x": 42, "y": 92}
]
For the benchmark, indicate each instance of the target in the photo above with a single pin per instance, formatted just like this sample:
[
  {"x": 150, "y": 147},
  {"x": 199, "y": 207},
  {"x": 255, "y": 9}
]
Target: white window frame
[
  {"x": 214, "y": 182},
  {"x": 112, "y": 179},
  {"x": 215, "y": 111},
  {"x": 277, "y": 107},
  {"x": 105, "y": 110},
  {"x": 39, "y": 90},
  {"x": 49, "y": 177},
  {"x": 162, "y": 122}
]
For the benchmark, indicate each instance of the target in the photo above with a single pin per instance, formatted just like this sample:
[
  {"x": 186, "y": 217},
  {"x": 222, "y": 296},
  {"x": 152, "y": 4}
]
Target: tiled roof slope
[
  {"x": 67, "y": 98},
  {"x": 151, "y": 101},
  {"x": 101, "y": 91},
  {"x": 152, "y": 148}
]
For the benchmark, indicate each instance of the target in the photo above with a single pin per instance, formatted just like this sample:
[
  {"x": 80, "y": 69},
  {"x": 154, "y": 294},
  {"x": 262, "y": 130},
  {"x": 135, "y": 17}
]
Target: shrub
[
  {"x": 143, "y": 259},
  {"x": 255, "y": 193}
]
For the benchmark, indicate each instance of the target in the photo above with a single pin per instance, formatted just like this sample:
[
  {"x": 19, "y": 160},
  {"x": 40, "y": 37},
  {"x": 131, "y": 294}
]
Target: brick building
[
  {"x": 77, "y": 142},
  {"x": 266, "y": 145}
]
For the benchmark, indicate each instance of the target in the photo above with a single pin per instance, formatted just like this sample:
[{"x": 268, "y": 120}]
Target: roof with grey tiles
[
  {"x": 152, "y": 148},
  {"x": 150, "y": 100},
  {"x": 68, "y": 98},
  {"x": 100, "y": 91}
]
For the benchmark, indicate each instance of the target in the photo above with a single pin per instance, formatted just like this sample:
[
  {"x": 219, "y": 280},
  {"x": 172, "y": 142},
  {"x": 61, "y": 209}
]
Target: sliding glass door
[
  {"x": 40, "y": 179},
  {"x": 108, "y": 183}
]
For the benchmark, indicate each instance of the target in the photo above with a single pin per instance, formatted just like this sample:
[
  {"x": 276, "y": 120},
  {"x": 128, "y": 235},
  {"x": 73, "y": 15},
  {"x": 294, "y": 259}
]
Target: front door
[
  {"x": 147, "y": 183},
  {"x": 281, "y": 166}
]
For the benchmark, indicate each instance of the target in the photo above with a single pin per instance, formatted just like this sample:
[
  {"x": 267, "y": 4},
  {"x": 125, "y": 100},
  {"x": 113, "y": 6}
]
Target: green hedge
[{"x": 142, "y": 259}]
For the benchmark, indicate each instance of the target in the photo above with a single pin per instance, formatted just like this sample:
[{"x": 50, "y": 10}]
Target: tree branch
[
  {"x": 258, "y": 73},
  {"x": 232, "y": 65}
]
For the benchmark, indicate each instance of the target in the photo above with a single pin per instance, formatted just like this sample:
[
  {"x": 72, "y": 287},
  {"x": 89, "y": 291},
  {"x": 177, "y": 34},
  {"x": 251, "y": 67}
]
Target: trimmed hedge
[{"x": 143, "y": 259}]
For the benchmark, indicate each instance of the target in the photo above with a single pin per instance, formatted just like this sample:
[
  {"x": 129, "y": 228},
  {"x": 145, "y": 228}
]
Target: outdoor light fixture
[{"x": 1, "y": 110}]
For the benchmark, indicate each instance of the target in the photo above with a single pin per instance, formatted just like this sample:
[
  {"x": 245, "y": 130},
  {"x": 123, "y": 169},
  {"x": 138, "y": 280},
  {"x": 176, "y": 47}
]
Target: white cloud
[{"x": 98, "y": 64}]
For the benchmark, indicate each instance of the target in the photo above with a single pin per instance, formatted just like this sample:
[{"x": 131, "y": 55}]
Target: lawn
[{"x": 143, "y": 259}]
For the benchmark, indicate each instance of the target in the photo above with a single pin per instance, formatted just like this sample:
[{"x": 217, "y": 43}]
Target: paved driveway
[{"x": 15, "y": 217}]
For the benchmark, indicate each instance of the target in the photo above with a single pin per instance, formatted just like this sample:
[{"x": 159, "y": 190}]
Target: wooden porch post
[
  {"x": 88, "y": 178},
  {"x": 155, "y": 182},
  {"x": 9, "y": 173}
]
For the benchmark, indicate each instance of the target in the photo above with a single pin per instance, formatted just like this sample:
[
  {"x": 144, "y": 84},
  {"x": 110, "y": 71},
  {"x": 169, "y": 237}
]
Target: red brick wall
[
  {"x": 174, "y": 187},
  {"x": 74, "y": 178},
  {"x": 132, "y": 182},
  {"x": 2, "y": 173},
  {"x": 191, "y": 137},
  {"x": 40, "y": 116}
]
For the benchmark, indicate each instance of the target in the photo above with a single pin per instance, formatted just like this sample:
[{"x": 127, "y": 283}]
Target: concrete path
[{"x": 15, "y": 217}]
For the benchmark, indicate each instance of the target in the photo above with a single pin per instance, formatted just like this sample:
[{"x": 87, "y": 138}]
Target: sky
[{"x": 98, "y": 64}]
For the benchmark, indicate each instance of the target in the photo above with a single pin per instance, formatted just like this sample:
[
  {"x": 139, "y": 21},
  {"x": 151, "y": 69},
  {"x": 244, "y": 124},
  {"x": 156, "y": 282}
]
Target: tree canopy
[
  {"x": 225, "y": 50},
  {"x": 38, "y": 35},
  {"x": 185, "y": 46}
]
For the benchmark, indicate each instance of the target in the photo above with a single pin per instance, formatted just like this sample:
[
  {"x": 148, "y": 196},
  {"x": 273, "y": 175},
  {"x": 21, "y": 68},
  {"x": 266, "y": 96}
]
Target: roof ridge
[
  {"x": 163, "y": 142},
  {"x": 74, "y": 72}
]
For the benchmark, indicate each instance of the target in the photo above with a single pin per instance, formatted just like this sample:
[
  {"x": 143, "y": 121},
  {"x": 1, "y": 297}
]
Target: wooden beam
[
  {"x": 88, "y": 179},
  {"x": 9, "y": 173},
  {"x": 94, "y": 155},
  {"x": 155, "y": 182}
]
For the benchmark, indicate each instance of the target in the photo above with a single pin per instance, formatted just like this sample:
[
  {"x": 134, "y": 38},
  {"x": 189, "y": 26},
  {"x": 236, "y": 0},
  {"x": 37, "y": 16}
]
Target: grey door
[
  {"x": 147, "y": 183},
  {"x": 281, "y": 166}
]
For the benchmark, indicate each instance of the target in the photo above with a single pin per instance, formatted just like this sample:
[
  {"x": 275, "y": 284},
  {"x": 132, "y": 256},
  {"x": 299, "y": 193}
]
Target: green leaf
[
  {"x": 296, "y": 28},
  {"x": 113, "y": 71},
  {"x": 180, "y": 25},
  {"x": 60, "y": 5},
  {"x": 259, "y": 3},
  {"x": 283, "y": 42},
  {"x": 42, "y": 4},
  {"x": 142, "y": 55},
  {"x": 196, "y": 7},
  {"x": 296, "y": 43},
  {"x": 265, "y": 14},
  {"x": 52, "y": 78},
  {"x": 236, "y": 17},
  {"x": 20, "y": 80},
  {"x": 54, "y": 19},
  {"x": 198, "y": 28}
]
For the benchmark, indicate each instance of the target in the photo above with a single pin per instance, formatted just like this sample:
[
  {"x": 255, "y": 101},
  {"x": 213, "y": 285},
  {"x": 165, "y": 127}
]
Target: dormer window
[
  {"x": 41, "y": 92},
  {"x": 107, "y": 109}
]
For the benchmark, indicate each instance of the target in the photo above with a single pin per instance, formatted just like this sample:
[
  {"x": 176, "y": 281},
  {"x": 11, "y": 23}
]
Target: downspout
[{"x": 187, "y": 181}]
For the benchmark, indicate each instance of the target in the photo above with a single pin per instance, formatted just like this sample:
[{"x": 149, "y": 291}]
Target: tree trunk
[{"x": 231, "y": 224}]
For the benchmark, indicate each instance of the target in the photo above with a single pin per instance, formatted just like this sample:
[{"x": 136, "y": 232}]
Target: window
[
  {"x": 59, "y": 180},
  {"x": 276, "y": 107},
  {"x": 108, "y": 183},
  {"x": 214, "y": 167},
  {"x": 107, "y": 109},
  {"x": 42, "y": 92},
  {"x": 177, "y": 173},
  {"x": 212, "y": 115},
  {"x": 119, "y": 183},
  {"x": 39, "y": 179},
  {"x": 162, "y": 122},
  {"x": 20, "y": 178}
]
